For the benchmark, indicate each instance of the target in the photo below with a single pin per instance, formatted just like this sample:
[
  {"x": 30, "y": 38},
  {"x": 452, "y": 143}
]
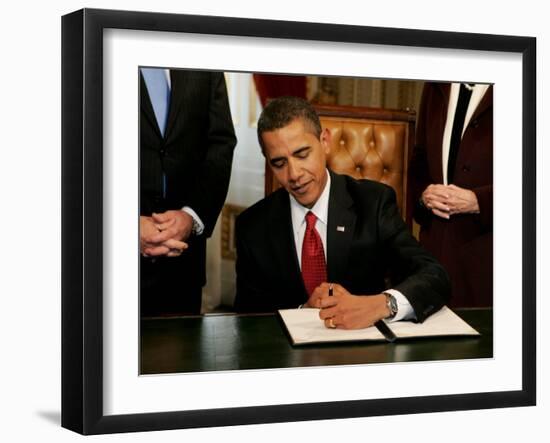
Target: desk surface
[{"x": 227, "y": 342}]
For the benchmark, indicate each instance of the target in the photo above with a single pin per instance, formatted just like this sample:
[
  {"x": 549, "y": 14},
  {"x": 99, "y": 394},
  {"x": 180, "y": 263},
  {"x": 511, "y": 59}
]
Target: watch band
[
  {"x": 391, "y": 304},
  {"x": 196, "y": 227}
]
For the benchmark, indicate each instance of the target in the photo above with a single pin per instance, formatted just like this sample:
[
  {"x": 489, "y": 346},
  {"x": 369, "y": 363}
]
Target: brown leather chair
[{"x": 367, "y": 143}]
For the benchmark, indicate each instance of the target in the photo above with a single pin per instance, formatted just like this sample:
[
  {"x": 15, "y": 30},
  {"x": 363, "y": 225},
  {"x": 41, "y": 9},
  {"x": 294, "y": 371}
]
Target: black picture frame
[{"x": 82, "y": 218}]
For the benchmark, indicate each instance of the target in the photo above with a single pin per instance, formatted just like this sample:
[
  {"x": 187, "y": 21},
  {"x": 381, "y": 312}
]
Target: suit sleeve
[
  {"x": 484, "y": 196},
  {"x": 212, "y": 182},
  {"x": 414, "y": 272}
]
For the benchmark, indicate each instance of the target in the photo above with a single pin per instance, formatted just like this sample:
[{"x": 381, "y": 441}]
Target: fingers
[
  {"x": 176, "y": 244},
  {"x": 163, "y": 236},
  {"x": 445, "y": 201},
  {"x": 164, "y": 226},
  {"x": 318, "y": 292},
  {"x": 335, "y": 322},
  {"x": 437, "y": 191},
  {"x": 442, "y": 214},
  {"x": 440, "y": 206},
  {"x": 325, "y": 300},
  {"x": 162, "y": 217},
  {"x": 146, "y": 237},
  {"x": 170, "y": 248},
  {"x": 156, "y": 251},
  {"x": 326, "y": 313},
  {"x": 433, "y": 204},
  {"x": 431, "y": 197},
  {"x": 147, "y": 228},
  {"x": 459, "y": 203}
]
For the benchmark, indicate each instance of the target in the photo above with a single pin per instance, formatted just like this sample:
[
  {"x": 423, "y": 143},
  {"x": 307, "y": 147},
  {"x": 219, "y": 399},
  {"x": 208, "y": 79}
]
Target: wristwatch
[
  {"x": 196, "y": 227},
  {"x": 391, "y": 304}
]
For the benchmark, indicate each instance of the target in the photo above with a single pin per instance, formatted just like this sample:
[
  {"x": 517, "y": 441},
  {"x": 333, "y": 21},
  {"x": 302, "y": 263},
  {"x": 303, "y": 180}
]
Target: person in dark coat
[
  {"x": 186, "y": 150},
  {"x": 451, "y": 186}
]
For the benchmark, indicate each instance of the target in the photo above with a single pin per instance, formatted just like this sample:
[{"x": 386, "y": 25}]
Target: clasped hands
[
  {"x": 347, "y": 311},
  {"x": 447, "y": 200},
  {"x": 164, "y": 234}
]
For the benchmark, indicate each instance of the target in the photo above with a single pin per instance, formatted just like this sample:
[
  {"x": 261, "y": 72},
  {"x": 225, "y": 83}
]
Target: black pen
[
  {"x": 385, "y": 331},
  {"x": 330, "y": 320}
]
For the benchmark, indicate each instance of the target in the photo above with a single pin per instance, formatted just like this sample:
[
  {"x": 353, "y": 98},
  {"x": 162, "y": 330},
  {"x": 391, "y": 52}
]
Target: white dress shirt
[{"x": 320, "y": 209}]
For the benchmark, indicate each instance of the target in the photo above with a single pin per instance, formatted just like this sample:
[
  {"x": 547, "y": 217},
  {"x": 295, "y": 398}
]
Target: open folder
[{"x": 304, "y": 327}]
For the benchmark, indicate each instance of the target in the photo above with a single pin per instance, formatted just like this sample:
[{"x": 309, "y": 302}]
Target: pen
[
  {"x": 330, "y": 320},
  {"x": 385, "y": 330}
]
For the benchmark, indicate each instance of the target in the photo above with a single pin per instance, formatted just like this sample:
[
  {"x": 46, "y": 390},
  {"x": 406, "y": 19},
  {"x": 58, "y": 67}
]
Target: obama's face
[{"x": 298, "y": 159}]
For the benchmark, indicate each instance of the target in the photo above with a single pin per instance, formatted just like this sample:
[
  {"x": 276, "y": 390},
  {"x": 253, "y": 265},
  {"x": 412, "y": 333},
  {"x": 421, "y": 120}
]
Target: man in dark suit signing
[
  {"x": 326, "y": 233},
  {"x": 186, "y": 149}
]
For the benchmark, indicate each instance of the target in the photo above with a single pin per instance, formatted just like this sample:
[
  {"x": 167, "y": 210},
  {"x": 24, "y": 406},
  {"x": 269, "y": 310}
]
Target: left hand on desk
[{"x": 347, "y": 311}]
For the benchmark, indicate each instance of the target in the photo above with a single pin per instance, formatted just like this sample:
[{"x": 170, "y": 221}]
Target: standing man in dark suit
[
  {"x": 451, "y": 186},
  {"x": 186, "y": 149},
  {"x": 325, "y": 233}
]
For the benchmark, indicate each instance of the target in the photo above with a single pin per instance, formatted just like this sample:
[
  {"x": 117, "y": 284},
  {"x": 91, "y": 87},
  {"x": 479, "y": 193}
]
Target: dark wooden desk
[{"x": 225, "y": 342}]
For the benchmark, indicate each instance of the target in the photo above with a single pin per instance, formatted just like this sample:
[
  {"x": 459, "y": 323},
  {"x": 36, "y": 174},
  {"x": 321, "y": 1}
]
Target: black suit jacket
[
  {"x": 195, "y": 153},
  {"x": 375, "y": 244}
]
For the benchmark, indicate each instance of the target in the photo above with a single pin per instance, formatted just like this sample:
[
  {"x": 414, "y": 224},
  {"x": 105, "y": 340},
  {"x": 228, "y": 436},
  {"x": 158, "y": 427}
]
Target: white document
[{"x": 305, "y": 326}]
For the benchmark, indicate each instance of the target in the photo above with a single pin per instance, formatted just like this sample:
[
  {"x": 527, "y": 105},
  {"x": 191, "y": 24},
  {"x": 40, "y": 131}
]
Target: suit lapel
[
  {"x": 282, "y": 242},
  {"x": 437, "y": 153},
  {"x": 484, "y": 104},
  {"x": 178, "y": 84},
  {"x": 340, "y": 228},
  {"x": 147, "y": 106}
]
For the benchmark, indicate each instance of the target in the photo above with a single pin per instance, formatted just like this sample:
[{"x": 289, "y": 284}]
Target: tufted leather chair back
[{"x": 367, "y": 143}]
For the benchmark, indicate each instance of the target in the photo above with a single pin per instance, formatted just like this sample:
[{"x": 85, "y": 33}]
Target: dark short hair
[{"x": 281, "y": 111}]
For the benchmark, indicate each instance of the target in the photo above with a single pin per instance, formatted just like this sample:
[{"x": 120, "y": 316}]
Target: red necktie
[{"x": 314, "y": 268}]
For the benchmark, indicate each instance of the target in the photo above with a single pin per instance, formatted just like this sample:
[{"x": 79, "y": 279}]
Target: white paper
[
  {"x": 443, "y": 322},
  {"x": 305, "y": 326}
]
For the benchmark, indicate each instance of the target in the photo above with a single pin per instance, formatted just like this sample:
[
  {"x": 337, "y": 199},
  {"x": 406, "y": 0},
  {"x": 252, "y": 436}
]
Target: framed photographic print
[{"x": 122, "y": 373}]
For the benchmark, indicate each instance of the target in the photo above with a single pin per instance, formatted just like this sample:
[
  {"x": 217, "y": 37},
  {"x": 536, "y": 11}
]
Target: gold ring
[{"x": 331, "y": 324}]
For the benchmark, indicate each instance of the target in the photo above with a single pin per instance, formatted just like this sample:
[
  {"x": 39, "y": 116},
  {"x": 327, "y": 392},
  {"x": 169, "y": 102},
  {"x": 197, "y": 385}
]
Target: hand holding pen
[{"x": 343, "y": 310}]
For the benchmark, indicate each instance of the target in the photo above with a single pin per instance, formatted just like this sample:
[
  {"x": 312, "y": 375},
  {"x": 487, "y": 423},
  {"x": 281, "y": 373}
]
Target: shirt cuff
[
  {"x": 197, "y": 219},
  {"x": 404, "y": 309}
]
